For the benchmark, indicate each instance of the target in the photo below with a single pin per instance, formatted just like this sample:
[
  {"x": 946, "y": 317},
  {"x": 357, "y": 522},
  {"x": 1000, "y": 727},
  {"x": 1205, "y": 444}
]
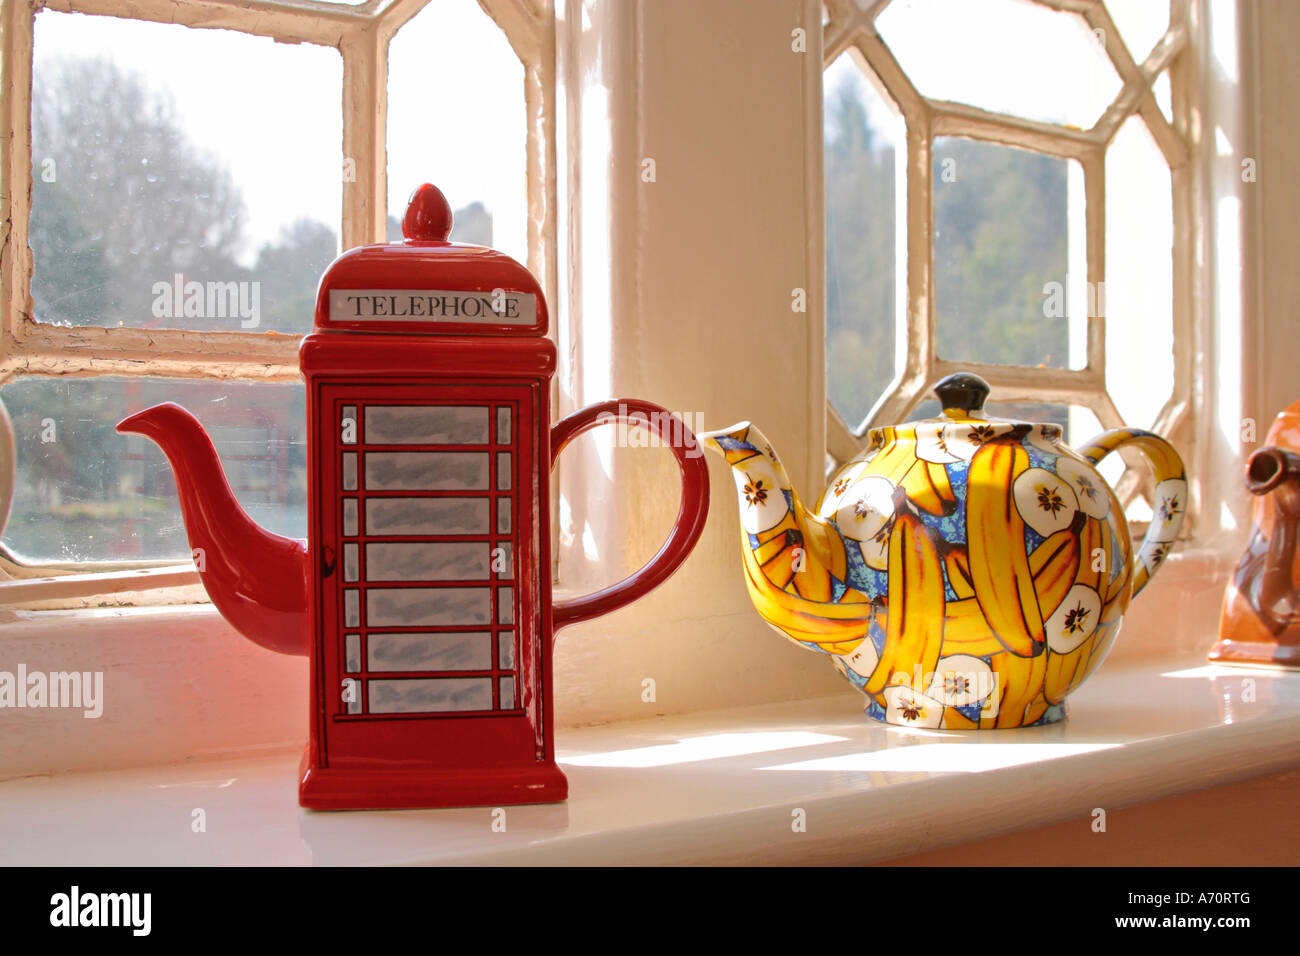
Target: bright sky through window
[{"x": 472, "y": 153}]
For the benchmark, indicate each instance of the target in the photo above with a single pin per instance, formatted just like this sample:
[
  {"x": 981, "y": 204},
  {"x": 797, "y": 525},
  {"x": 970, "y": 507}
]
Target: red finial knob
[{"x": 428, "y": 217}]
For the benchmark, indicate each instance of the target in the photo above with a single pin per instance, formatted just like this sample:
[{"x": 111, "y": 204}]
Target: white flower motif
[
  {"x": 931, "y": 445},
  {"x": 909, "y": 708},
  {"x": 1075, "y": 620},
  {"x": 961, "y": 680},
  {"x": 1169, "y": 506},
  {"x": 1090, "y": 488},
  {"x": 1045, "y": 501},
  {"x": 840, "y": 487},
  {"x": 1046, "y": 438},
  {"x": 964, "y": 439},
  {"x": 865, "y": 517},
  {"x": 762, "y": 504},
  {"x": 862, "y": 660}
]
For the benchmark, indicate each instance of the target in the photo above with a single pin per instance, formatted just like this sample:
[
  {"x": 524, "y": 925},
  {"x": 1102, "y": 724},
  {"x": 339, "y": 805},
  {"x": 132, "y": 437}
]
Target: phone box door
[{"x": 427, "y": 652}]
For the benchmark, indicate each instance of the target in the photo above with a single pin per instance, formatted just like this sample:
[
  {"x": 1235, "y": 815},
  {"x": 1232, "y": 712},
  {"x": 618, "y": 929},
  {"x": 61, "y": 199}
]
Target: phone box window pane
[
  {"x": 427, "y": 561},
  {"x": 352, "y": 653},
  {"x": 426, "y": 425},
  {"x": 426, "y": 516},
  {"x": 503, "y": 560},
  {"x": 430, "y": 652},
  {"x": 506, "y": 606},
  {"x": 348, "y": 425},
  {"x": 352, "y": 695},
  {"x": 349, "y": 471},
  {"x": 349, "y": 516},
  {"x": 503, "y": 516},
  {"x": 351, "y": 562},
  {"x": 503, "y": 471},
  {"x": 430, "y": 695},
  {"x": 507, "y": 693},
  {"x": 427, "y": 607},
  {"x": 351, "y": 608},
  {"x": 426, "y": 471},
  {"x": 506, "y": 650},
  {"x": 503, "y": 426}
]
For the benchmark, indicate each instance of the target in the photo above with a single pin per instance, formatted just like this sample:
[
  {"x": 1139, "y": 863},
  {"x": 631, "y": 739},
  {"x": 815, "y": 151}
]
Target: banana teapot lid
[{"x": 963, "y": 421}]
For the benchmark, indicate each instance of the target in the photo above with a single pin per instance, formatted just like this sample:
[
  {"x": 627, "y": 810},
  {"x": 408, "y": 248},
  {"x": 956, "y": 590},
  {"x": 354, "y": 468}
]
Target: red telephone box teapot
[{"x": 423, "y": 592}]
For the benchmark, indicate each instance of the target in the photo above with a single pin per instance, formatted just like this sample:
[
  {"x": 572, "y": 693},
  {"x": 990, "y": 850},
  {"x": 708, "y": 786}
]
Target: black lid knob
[{"x": 963, "y": 390}]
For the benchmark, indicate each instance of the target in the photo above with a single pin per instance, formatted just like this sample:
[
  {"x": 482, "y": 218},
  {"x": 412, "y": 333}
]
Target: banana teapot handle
[
  {"x": 1170, "y": 503},
  {"x": 691, "y": 513}
]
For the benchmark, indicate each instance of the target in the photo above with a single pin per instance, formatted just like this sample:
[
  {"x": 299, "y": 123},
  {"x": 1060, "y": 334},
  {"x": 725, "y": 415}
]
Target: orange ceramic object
[{"x": 1260, "y": 623}]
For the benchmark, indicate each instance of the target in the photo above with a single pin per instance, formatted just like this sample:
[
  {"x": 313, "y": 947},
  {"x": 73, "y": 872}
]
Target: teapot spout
[
  {"x": 259, "y": 581},
  {"x": 795, "y": 562}
]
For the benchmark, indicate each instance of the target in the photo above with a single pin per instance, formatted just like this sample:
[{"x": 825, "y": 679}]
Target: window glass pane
[
  {"x": 1139, "y": 275},
  {"x": 1000, "y": 250},
  {"x": 183, "y": 178},
  {"x": 1141, "y": 24},
  {"x": 453, "y": 46},
  {"x": 86, "y": 493},
  {"x": 1160, "y": 88},
  {"x": 864, "y": 139},
  {"x": 1008, "y": 56}
]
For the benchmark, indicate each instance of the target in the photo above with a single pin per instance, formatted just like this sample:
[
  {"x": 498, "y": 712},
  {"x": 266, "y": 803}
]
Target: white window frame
[
  {"x": 851, "y": 27},
  {"x": 361, "y": 34}
]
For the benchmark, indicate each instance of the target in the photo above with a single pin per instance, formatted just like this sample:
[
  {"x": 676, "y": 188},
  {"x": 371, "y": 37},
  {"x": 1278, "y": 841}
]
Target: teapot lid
[
  {"x": 425, "y": 284},
  {"x": 961, "y": 397}
]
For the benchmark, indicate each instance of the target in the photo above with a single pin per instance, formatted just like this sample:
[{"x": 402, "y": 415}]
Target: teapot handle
[
  {"x": 1170, "y": 498},
  {"x": 692, "y": 512}
]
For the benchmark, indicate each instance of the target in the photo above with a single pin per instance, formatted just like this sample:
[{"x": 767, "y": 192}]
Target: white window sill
[{"x": 1138, "y": 731}]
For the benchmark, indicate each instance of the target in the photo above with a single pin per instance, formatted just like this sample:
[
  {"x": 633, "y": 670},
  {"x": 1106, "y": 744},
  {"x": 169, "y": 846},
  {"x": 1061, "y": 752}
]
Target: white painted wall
[{"x": 684, "y": 298}]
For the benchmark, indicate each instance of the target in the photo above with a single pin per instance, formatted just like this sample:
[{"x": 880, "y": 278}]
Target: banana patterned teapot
[{"x": 964, "y": 571}]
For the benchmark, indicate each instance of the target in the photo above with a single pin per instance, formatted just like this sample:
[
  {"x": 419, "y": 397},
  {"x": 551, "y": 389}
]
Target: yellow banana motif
[
  {"x": 926, "y": 485},
  {"x": 1000, "y": 572},
  {"x": 814, "y": 622},
  {"x": 1061, "y": 670},
  {"x": 914, "y": 630},
  {"x": 1019, "y": 681},
  {"x": 1054, "y": 565},
  {"x": 958, "y": 567},
  {"x": 1037, "y": 707},
  {"x": 954, "y": 719},
  {"x": 965, "y": 631}
]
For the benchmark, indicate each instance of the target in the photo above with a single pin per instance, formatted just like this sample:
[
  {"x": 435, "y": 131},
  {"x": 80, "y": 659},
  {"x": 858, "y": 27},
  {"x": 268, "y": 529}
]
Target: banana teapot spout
[
  {"x": 259, "y": 581},
  {"x": 794, "y": 560}
]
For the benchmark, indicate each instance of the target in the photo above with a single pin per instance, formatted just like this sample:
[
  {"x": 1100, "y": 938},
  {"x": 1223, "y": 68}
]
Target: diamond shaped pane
[
  {"x": 1164, "y": 99},
  {"x": 1141, "y": 24},
  {"x": 864, "y": 139},
  {"x": 1007, "y": 56}
]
